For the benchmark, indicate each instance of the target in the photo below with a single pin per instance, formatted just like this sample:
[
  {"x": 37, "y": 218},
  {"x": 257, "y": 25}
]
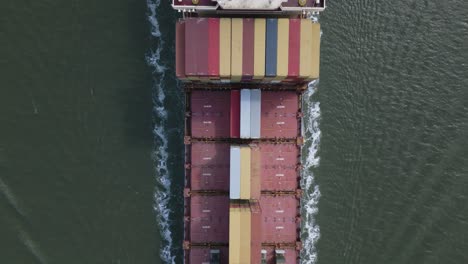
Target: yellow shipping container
[
  {"x": 283, "y": 49},
  {"x": 225, "y": 48},
  {"x": 236, "y": 46},
  {"x": 234, "y": 235},
  {"x": 259, "y": 48},
  {"x": 245, "y": 172},
  {"x": 305, "y": 61},
  {"x": 315, "y": 53},
  {"x": 255, "y": 185},
  {"x": 239, "y": 235},
  {"x": 245, "y": 236}
]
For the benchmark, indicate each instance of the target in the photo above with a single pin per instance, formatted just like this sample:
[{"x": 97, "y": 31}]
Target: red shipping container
[
  {"x": 191, "y": 47},
  {"x": 180, "y": 49},
  {"x": 248, "y": 35},
  {"x": 294, "y": 48},
  {"x": 235, "y": 114},
  {"x": 202, "y": 40},
  {"x": 213, "y": 49}
]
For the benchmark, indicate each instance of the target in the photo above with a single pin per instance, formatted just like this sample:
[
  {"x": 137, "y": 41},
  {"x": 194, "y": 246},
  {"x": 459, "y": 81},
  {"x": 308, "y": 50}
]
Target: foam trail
[
  {"x": 310, "y": 232},
  {"x": 160, "y": 154}
]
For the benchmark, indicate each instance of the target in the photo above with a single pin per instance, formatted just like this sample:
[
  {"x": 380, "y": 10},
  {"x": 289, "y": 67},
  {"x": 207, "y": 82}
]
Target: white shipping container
[
  {"x": 255, "y": 113},
  {"x": 245, "y": 114},
  {"x": 234, "y": 173}
]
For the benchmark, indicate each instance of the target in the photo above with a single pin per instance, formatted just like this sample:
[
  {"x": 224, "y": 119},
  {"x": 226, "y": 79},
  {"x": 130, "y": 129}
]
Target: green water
[{"x": 80, "y": 164}]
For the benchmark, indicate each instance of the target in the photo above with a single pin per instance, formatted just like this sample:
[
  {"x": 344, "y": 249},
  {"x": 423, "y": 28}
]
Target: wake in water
[
  {"x": 310, "y": 233},
  {"x": 160, "y": 154},
  {"x": 310, "y": 230}
]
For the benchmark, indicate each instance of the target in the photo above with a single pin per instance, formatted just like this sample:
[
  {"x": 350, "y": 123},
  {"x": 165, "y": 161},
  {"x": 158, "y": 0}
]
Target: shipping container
[
  {"x": 235, "y": 173},
  {"x": 191, "y": 47},
  {"x": 256, "y": 236},
  {"x": 259, "y": 48},
  {"x": 245, "y": 113},
  {"x": 213, "y": 48},
  {"x": 294, "y": 48},
  {"x": 278, "y": 171},
  {"x": 235, "y": 114},
  {"x": 282, "y": 49},
  {"x": 236, "y": 49},
  {"x": 256, "y": 173},
  {"x": 248, "y": 35},
  {"x": 203, "y": 45},
  {"x": 305, "y": 62},
  {"x": 315, "y": 51},
  {"x": 180, "y": 49},
  {"x": 225, "y": 48},
  {"x": 210, "y": 114},
  {"x": 255, "y": 113},
  {"x": 271, "y": 47},
  {"x": 203, "y": 255},
  {"x": 239, "y": 234},
  {"x": 285, "y": 208},
  {"x": 290, "y": 255},
  {"x": 245, "y": 169},
  {"x": 210, "y": 166},
  {"x": 279, "y": 114},
  {"x": 209, "y": 216}
]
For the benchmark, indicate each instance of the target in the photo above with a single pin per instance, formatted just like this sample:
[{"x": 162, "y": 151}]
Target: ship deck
[
  {"x": 207, "y": 204},
  {"x": 210, "y": 114}
]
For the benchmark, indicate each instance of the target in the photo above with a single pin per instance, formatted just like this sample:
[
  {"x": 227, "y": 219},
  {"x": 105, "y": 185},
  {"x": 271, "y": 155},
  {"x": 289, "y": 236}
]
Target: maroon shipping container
[
  {"x": 209, "y": 166},
  {"x": 248, "y": 36},
  {"x": 202, "y": 255},
  {"x": 196, "y": 47},
  {"x": 213, "y": 50},
  {"x": 279, "y": 114},
  {"x": 294, "y": 48},
  {"x": 290, "y": 255},
  {"x": 209, "y": 217},
  {"x": 180, "y": 49},
  {"x": 190, "y": 47},
  {"x": 278, "y": 170},
  {"x": 279, "y": 207},
  {"x": 235, "y": 114},
  {"x": 203, "y": 45},
  {"x": 210, "y": 114}
]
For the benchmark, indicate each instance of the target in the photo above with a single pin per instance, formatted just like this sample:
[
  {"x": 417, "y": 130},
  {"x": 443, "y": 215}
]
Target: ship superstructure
[{"x": 244, "y": 69}]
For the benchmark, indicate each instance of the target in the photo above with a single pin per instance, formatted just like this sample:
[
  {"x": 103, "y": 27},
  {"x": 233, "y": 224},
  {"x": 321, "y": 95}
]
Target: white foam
[
  {"x": 257, "y": 4},
  {"x": 310, "y": 230},
  {"x": 160, "y": 154}
]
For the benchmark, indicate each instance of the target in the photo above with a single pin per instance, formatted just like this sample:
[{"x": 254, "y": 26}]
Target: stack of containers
[
  {"x": 245, "y": 113},
  {"x": 247, "y": 49},
  {"x": 244, "y": 219},
  {"x": 240, "y": 230},
  {"x": 240, "y": 173}
]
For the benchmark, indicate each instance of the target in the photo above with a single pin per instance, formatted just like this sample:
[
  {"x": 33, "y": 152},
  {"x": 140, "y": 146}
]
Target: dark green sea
[{"x": 91, "y": 133}]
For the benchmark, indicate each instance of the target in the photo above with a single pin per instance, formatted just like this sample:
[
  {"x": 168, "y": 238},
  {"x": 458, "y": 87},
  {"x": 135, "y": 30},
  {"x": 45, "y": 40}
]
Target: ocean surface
[{"x": 91, "y": 132}]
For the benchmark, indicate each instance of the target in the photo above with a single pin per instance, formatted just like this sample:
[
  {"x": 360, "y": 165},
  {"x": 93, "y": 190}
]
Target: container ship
[{"x": 244, "y": 66}]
